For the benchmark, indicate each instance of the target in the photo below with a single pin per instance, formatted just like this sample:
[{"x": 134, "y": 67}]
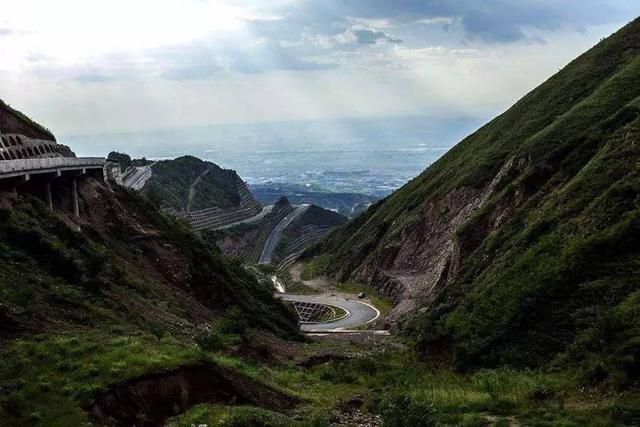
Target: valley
[{"x": 499, "y": 287}]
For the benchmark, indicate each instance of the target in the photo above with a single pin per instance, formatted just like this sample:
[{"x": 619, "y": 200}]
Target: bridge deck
[{"x": 13, "y": 168}]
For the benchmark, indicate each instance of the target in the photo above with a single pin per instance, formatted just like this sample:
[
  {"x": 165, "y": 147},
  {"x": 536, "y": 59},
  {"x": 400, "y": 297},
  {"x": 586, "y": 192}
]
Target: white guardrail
[{"x": 11, "y": 168}]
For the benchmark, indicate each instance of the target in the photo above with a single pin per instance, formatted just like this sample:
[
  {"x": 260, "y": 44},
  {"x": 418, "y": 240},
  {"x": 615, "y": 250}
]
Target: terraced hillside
[
  {"x": 202, "y": 193},
  {"x": 189, "y": 184},
  {"x": 305, "y": 230},
  {"x": 522, "y": 242},
  {"x": 247, "y": 241}
]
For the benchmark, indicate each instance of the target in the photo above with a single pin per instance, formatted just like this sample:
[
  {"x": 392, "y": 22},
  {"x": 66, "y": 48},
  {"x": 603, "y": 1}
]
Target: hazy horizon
[{"x": 201, "y": 63}]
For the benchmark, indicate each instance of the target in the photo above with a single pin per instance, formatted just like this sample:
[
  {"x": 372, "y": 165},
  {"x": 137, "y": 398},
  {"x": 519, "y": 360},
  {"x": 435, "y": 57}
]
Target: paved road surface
[
  {"x": 359, "y": 312},
  {"x": 139, "y": 178},
  {"x": 265, "y": 211},
  {"x": 274, "y": 237}
]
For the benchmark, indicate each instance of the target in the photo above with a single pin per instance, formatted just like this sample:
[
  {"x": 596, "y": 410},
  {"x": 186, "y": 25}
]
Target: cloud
[
  {"x": 201, "y": 61},
  {"x": 92, "y": 78},
  {"x": 372, "y": 37},
  {"x": 501, "y": 21},
  {"x": 233, "y": 58}
]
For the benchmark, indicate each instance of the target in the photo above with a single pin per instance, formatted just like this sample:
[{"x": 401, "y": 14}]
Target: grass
[
  {"x": 51, "y": 378},
  {"x": 546, "y": 285},
  {"x": 236, "y": 416},
  {"x": 172, "y": 181},
  {"x": 314, "y": 267},
  {"x": 449, "y": 398},
  {"x": 294, "y": 286}
]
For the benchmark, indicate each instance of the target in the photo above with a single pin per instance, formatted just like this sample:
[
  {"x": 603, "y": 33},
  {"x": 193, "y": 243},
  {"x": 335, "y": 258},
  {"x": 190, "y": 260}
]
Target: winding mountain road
[
  {"x": 139, "y": 177},
  {"x": 360, "y": 313},
  {"x": 276, "y": 233}
]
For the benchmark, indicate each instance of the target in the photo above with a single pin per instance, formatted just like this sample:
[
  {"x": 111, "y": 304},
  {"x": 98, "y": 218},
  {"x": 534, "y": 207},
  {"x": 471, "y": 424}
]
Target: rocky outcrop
[{"x": 427, "y": 256}]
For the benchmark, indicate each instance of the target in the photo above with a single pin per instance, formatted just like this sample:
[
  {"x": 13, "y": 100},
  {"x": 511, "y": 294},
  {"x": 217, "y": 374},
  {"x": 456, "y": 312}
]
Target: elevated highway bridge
[{"x": 39, "y": 176}]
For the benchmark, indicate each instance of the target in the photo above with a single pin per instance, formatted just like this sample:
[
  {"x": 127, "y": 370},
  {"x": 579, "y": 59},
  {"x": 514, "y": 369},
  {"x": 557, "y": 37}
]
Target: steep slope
[
  {"x": 246, "y": 241},
  {"x": 522, "y": 241},
  {"x": 99, "y": 320},
  {"x": 130, "y": 265},
  {"x": 188, "y": 183},
  {"x": 305, "y": 230},
  {"x": 13, "y": 121}
]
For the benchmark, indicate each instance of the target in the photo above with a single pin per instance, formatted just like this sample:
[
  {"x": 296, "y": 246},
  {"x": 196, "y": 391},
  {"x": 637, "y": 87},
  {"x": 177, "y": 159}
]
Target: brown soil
[{"x": 152, "y": 399}]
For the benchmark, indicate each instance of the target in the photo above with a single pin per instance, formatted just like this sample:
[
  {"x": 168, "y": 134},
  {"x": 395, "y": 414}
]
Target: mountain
[
  {"x": 15, "y": 122},
  {"x": 124, "y": 299},
  {"x": 520, "y": 246},
  {"x": 247, "y": 240},
  {"x": 190, "y": 184},
  {"x": 127, "y": 258},
  {"x": 347, "y": 204},
  {"x": 303, "y": 231}
]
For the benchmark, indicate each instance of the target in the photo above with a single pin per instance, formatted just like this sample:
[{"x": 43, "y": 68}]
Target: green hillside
[
  {"x": 547, "y": 269},
  {"x": 315, "y": 215},
  {"x": 188, "y": 183},
  {"x": 135, "y": 292}
]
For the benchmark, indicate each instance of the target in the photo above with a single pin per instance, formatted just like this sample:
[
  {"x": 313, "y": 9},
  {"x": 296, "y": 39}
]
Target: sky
[{"x": 103, "y": 66}]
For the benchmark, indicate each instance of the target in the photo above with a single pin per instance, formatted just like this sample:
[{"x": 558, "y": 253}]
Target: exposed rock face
[
  {"x": 427, "y": 257},
  {"x": 521, "y": 240}
]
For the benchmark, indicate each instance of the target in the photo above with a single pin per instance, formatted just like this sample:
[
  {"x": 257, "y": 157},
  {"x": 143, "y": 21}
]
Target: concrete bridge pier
[
  {"x": 47, "y": 192},
  {"x": 74, "y": 196}
]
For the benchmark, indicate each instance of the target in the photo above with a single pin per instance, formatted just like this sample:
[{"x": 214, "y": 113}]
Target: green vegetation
[
  {"x": 234, "y": 416},
  {"x": 51, "y": 378},
  {"x": 124, "y": 297},
  {"x": 294, "y": 286},
  {"x": 51, "y": 271},
  {"x": 188, "y": 183},
  {"x": 540, "y": 326},
  {"x": 313, "y": 220},
  {"x": 14, "y": 121},
  {"x": 122, "y": 158},
  {"x": 315, "y": 267},
  {"x": 315, "y": 215},
  {"x": 405, "y": 392},
  {"x": 554, "y": 282}
]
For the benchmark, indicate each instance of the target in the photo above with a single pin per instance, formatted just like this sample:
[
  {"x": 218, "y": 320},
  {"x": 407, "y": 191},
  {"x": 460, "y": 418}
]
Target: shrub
[
  {"x": 403, "y": 411},
  {"x": 540, "y": 393},
  {"x": 338, "y": 373},
  {"x": 233, "y": 322},
  {"x": 210, "y": 341}
]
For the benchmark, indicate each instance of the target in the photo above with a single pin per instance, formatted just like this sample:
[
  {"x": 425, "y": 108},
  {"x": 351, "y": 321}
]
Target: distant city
[{"x": 370, "y": 156}]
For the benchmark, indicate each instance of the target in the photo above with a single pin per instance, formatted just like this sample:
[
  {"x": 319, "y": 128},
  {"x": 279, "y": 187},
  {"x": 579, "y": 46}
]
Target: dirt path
[{"x": 192, "y": 189}]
